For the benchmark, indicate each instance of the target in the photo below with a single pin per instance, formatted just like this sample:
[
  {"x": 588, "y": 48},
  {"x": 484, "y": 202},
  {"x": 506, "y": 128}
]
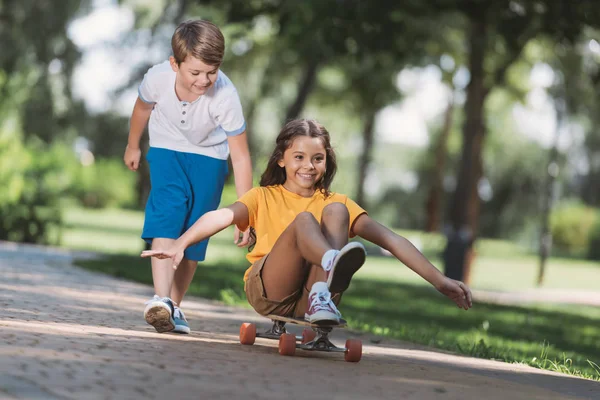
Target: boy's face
[
  {"x": 193, "y": 76},
  {"x": 305, "y": 163}
]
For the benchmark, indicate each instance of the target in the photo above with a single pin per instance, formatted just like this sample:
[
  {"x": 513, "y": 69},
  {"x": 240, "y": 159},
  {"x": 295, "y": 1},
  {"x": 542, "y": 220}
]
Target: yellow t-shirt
[{"x": 272, "y": 208}]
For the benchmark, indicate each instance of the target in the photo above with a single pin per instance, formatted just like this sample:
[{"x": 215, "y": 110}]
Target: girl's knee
[
  {"x": 305, "y": 217},
  {"x": 337, "y": 211}
]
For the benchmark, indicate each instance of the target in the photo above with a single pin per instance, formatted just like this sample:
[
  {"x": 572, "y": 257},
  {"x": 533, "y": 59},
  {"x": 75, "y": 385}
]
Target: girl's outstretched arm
[
  {"x": 206, "y": 226},
  {"x": 403, "y": 250}
]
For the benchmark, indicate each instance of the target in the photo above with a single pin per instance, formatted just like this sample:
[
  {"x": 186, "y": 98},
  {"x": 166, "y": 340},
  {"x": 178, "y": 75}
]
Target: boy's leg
[
  {"x": 160, "y": 310},
  {"x": 204, "y": 180},
  {"x": 181, "y": 282},
  {"x": 182, "y": 279},
  {"x": 164, "y": 218},
  {"x": 162, "y": 270}
]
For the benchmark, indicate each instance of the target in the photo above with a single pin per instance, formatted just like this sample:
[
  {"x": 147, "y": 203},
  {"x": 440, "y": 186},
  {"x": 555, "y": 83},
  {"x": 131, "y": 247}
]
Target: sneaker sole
[
  {"x": 160, "y": 318},
  {"x": 181, "y": 329},
  {"x": 346, "y": 267},
  {"x": 322, "y": 321}
]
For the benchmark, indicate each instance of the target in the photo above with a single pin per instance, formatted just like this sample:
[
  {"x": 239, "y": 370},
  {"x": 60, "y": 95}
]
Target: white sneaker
[
  {"x": 344, "y": 265},
  {"x": 159, "y": 313},
  {"x": 321, "y": 309}
]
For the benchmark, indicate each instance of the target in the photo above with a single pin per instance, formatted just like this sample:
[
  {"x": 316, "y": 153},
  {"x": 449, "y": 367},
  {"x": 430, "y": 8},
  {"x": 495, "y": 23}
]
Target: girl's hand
[
  {"x": 175, "y": 255},
  {"x": 241, "y": 239},
  {"x": 457, "y": 291}
]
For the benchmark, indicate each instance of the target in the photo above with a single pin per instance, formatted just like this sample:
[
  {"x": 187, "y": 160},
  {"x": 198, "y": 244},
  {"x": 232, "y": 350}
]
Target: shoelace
[
  {"x": 157, "y": 298},
  {"x": 179, "y": 314},
  {"x": 322, "y": 301},
  {"x": 153, "y": 299}
]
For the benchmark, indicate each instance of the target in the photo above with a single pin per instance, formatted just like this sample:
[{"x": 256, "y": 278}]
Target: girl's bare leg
[
  {"x": 299, "y": 246},
  {"x": 334, "y": 226}
]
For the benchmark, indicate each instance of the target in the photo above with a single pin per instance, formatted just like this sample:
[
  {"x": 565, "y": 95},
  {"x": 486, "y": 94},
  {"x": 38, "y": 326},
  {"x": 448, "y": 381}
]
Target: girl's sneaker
[
  {"x": 321, "y": 310},
  {"x": 159, "y": 313},
  {"x": 345, "y": 263},
  {"x": 181, "y": 324}
]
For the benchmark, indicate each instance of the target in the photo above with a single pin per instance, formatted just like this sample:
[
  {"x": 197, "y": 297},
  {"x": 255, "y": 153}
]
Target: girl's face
[
  {"x": 305, "y": 163},
  {"x": 194, "y": 78}
]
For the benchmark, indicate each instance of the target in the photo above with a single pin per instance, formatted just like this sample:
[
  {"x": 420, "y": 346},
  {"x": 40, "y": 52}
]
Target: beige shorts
[{"x": 290, "y": 306}]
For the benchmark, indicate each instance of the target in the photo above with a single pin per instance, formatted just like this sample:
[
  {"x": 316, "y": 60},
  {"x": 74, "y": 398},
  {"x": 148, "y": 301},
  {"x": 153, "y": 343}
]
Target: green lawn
[{"x": 389, "y": 300}]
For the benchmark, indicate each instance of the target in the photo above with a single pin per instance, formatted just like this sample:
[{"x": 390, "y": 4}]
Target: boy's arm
[
  {"x": 241, "y": 162},
  {"x": 209, "y": 224},
  {"x": 139, "y": 119},
  {"x": 242, "y": 173},
  {"x": 409, "y": 255}
]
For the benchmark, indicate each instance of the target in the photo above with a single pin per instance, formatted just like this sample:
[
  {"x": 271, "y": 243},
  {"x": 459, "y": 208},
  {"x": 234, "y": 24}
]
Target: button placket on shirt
[{"x": 183, "y": 113}]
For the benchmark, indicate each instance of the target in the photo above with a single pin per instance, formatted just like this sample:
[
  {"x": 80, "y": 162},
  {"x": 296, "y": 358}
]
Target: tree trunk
[
  {"x": 436, "y": 193},
  {"x": 263, "y": 91},
  {"x": 365, "y": 157},
  {"x": 305, "y": 86},
  {"x": 465, "y": 202},
  {"x": 548, "y": 193}
]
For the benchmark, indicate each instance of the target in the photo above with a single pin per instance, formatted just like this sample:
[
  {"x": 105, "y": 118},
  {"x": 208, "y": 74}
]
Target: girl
[{"x": 302, "y": 261}]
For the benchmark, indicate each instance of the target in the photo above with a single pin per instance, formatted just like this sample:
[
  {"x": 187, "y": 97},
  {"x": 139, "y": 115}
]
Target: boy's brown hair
[{"x": 200, "y": 39}]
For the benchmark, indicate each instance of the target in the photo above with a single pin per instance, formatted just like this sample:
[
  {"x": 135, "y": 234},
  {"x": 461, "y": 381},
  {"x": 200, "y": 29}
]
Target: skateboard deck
[{"x": 302, "y": 322}]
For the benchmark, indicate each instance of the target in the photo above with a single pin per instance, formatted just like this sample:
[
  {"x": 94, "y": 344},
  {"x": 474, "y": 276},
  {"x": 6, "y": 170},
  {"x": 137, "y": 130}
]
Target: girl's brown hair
[
  {"x": 200, "y": 39},
  {"x": 275, "y": 175}
]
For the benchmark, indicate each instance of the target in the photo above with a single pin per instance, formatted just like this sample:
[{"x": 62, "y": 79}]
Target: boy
[{"x": 195, "y": 121}]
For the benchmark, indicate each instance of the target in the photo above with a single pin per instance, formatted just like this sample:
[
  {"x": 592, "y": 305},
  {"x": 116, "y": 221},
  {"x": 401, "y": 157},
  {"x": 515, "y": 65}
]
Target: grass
[{"x": 389, "y": 300}]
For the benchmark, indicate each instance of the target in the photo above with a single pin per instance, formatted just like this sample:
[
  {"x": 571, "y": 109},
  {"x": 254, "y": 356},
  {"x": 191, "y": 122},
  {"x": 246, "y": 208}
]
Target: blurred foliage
[
  {"x": 105, "y": 183},
  {"x": 572, "y": 224},
  {"x": 39, "y": 179},
  {"x": 33, "y": 179},
  {"x": 593, "y": 252},
  {"x": 36, "y": 65}
]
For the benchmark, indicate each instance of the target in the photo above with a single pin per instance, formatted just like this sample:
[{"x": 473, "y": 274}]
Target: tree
[
  {"x": 507, "y": 26},
  {"x": 36, "y": 64}
]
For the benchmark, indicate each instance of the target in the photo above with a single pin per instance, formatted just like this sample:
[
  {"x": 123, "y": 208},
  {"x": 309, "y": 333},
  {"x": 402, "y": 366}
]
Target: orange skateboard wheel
[
  {"x": 353, "y": 351},
  {"x": 308, "y": 335},
  {"x": 287, "y": 344},
  {"x": 247, "y": 333}
]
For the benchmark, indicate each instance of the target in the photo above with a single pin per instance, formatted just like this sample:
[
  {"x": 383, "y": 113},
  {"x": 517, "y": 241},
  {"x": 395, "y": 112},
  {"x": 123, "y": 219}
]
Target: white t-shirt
[{"x": 199, "y": 127}]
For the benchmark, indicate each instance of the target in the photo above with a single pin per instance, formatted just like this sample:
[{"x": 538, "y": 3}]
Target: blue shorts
[{"x": 184, "y": 186}]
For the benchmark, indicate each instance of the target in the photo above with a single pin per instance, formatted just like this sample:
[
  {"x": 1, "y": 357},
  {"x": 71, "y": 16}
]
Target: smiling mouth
[{"x": 306, "y": 176}]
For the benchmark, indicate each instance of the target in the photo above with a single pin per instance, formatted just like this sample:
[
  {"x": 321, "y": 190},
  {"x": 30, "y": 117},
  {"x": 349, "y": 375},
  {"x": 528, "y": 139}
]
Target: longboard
[
  {"x": 314, "y": 337},
  {"x": 302, "y": 322}
]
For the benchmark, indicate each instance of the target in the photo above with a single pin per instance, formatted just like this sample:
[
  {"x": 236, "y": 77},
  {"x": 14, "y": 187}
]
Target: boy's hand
[
  {"x": 175, "y": 255},
  {"x": 457, "y": 291},
  {"x": 132, "y": 157},
  {"x": 241, "y": 239}
]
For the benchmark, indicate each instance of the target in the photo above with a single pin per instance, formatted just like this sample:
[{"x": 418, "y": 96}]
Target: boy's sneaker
[
  {"x": 321, "y": 310},
  {"x": 350, "y": 258},
  {"x": 181, "y": 324},
  {"x": 159, "y": 313}
]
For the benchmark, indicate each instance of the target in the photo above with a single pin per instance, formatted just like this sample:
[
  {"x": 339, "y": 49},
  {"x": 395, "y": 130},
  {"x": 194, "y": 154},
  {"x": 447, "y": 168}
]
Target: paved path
[{"x": 66, "y": 333}]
